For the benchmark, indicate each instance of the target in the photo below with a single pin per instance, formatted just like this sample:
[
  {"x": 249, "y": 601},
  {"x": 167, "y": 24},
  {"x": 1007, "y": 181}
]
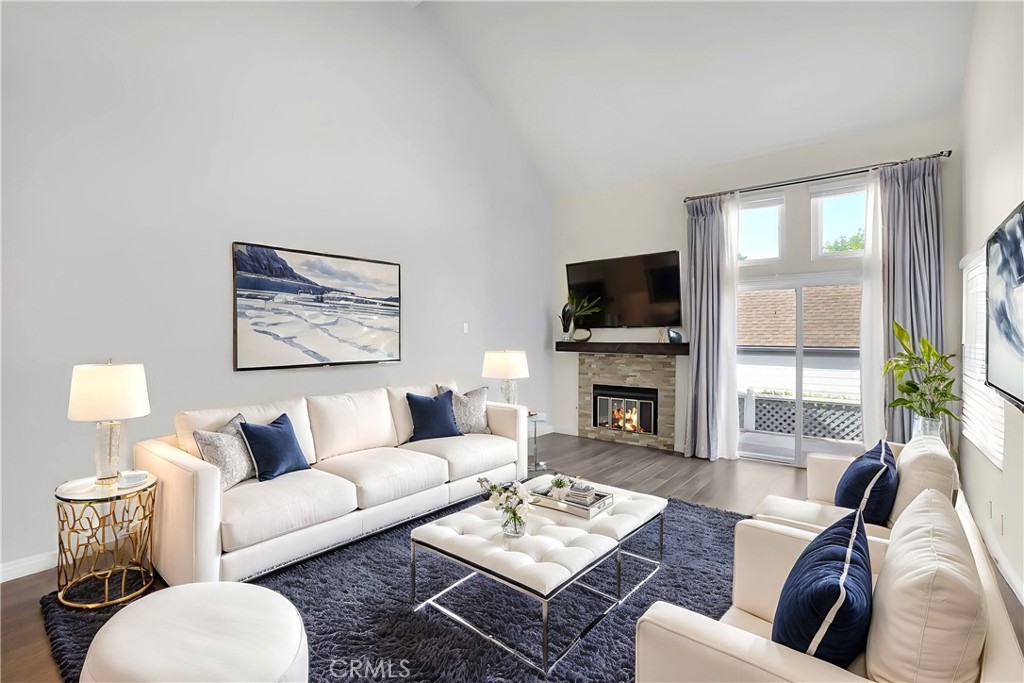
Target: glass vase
[
  {"x": 927, "y": 426},
  {"x": 513, "y": 523}
]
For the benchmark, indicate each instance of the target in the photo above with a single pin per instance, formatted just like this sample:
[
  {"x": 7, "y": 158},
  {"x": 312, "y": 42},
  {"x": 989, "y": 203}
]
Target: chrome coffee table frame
[{"x": 546, "y": 665}]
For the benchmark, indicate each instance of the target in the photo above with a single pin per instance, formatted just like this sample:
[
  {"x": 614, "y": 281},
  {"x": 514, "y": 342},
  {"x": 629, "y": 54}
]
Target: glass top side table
[
  {"x": 533, "y": 462},
  {"x": 104, "y": 543}
]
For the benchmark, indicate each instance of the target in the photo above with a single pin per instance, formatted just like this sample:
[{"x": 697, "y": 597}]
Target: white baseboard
[{"x": 24, "y": 566}]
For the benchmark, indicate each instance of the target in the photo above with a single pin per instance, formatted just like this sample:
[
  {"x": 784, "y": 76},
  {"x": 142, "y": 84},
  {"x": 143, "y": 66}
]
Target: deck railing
[{"x": 826, "y": 418}]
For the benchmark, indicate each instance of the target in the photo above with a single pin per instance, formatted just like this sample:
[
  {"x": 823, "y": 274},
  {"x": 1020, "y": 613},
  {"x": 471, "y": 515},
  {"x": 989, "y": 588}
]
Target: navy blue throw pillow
[
  {"x": 869, "y": 484},
  {"x": 274, "y": 448},
  {"x": 825, "y": 606},
  {"x": 432, "y": 416}
]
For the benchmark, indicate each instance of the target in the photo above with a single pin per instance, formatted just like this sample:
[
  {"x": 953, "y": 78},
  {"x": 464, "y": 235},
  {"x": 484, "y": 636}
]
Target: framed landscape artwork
[
  {"x": 298, "y": 309},
  {"x": 1005, "y": 338}
]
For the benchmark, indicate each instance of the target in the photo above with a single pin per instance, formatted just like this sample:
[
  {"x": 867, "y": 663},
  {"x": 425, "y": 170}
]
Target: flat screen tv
[
  {"x": 1004, "y": 345},
  {"x": 634, "y": 291}
]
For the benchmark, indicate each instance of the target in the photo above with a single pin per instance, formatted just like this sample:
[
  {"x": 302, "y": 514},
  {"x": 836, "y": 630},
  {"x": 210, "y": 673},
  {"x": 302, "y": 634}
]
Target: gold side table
[{"x": 104, "y": 543}]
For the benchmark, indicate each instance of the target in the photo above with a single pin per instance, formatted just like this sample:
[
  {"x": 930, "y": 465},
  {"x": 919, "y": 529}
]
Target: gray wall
[
  {"x": 139, "y": 140},
  {"x": 993, "y": 186}
]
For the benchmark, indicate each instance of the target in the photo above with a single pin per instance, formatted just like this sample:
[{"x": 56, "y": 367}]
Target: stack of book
[{"x": 581, "y": 494}]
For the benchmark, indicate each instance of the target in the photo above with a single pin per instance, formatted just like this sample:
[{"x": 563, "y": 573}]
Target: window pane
[
  {"x": 766, "y": 317},
  {"x": 842, "y": 222},
  {"x": 831, "y": 380},
  {"x": 759, "y": 232},
  {"x": 832, "y": 316}
]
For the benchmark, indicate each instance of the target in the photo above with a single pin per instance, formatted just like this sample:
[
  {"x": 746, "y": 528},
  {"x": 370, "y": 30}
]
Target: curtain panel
[
  {"x": 911, "y": 215},
  {"x": 713, "y": 420}
]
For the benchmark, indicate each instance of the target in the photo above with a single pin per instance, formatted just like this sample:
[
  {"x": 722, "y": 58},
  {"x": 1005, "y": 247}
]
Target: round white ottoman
[{"x": 202, "y": 632}]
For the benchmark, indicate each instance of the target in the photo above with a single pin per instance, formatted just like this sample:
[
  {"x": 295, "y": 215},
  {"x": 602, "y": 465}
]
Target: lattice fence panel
[
  {"x": 841, "y": 421},
  {"x": 742, "y": 405}
]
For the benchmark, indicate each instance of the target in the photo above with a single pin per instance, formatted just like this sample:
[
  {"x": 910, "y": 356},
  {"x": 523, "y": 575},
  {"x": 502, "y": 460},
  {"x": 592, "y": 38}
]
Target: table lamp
[
  {"x": 508, "y": 366},
  {"x": 106, "y": 394}
]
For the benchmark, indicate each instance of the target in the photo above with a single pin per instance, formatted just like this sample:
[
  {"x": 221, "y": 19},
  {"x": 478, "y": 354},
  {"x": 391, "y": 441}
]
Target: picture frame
[
  {"x": 296, "y": 309},
  {"x": 1004, "y": 339}
]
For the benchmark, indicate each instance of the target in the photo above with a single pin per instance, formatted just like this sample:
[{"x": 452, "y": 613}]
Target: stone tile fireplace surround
[{"x": 649, "y": 371}]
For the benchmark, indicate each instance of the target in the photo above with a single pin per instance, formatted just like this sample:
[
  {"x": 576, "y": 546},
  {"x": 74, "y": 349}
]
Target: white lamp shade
[
  {"x": 505, "y": 365},
  {"x": 108, "y": 392}
]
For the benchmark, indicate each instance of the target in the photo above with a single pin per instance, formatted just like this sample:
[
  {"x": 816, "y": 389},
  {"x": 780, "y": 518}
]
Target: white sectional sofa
[{"x": 365, "y": 476}]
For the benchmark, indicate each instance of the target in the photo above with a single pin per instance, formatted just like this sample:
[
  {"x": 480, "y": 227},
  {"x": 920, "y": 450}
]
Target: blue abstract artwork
[
  {"x": 297, "y": 308},
  {"x": 1005, "y": 339}
]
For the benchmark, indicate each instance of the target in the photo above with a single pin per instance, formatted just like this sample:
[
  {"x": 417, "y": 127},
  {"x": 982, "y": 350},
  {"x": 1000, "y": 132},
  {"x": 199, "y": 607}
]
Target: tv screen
[
  {"x": 1005, "y": 339},
  {"x": 633, "y": 291}
]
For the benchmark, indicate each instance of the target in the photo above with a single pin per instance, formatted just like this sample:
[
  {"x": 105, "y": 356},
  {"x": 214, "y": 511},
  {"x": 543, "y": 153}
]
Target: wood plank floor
[{"x": 737, "y": 485}]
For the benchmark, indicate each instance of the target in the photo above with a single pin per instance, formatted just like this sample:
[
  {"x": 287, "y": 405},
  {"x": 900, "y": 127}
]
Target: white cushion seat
[
  {"x": 202, "y": 632},
  {"x": 541, "y": 561},
  {"x": 468, "y": 454},
  {"x": 807, "y": 514},
  {"x": 629, "y": 512},
  {"x": 256, "y": 511},
  {"x": 381, "y": 475}
]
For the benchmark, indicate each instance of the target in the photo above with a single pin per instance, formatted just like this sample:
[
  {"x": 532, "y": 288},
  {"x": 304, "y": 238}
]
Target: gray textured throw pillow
[
  {"x": 226, "y": 448},
  {"x": 470, "y": 410}
]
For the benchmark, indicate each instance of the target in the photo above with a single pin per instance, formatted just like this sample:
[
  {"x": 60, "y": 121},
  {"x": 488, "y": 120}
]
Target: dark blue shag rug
[{"x": 355, "y": 605}]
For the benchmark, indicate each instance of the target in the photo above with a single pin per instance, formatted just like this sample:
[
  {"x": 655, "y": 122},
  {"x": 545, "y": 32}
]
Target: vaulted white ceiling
[{"x": 611, "y": 92}]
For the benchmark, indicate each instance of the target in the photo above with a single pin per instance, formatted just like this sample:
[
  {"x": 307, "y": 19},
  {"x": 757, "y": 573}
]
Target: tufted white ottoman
[
  {"x": 202, "y": 632},
  {"x": 557, "y": 550}
]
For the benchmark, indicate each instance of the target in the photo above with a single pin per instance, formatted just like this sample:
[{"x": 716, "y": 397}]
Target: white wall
[
  {"x": 650, "y": 216},
  {"x": 993, "y": 118},
  {"x": 139, "y": 140}
]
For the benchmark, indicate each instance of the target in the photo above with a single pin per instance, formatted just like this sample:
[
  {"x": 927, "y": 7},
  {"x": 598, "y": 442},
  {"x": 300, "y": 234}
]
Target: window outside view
[
  {"x": 841, "y": 219},
  {"x": 759, "y": 231}
]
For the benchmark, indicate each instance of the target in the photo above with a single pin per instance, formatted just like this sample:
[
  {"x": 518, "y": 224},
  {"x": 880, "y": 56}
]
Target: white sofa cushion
[
  {"x": 384, "y": 474},
  {"x": 929, "y": 618},
  {"x": 187, "y": 421},
  {"x": 400, "y": 405},
  {"x": 256, "y": 511},
  {"x": 468, "y": 454},
  {"x": 924, "y": 463},
  {"x": 351, "y": 422}
]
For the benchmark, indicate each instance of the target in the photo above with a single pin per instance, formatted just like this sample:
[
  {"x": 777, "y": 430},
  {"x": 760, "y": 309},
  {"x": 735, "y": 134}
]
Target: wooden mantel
[{"x": 625, "y": 348}]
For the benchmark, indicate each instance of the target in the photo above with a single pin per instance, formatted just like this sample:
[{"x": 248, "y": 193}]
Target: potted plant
[
  {"x": 573, "y": 310},
  {"x": 560, "y": 486},
  {"x": 924, "y": 378}
]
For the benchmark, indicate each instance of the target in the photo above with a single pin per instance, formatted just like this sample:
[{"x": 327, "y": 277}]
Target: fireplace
[{"x": 625, "y": 409}]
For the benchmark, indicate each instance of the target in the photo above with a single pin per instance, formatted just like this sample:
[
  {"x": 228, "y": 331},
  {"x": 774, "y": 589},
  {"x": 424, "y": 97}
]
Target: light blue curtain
[
  {"x": 706, "y": 221},
  {"x": 911, "y": 211}
]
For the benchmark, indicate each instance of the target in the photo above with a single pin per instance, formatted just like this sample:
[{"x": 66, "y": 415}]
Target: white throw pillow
[
  {"x": 187, "y": 421},
  {"x": 929, "y": 619},
  {"x": 351, "y": 422},
  {"x": 924, "y": 463}
]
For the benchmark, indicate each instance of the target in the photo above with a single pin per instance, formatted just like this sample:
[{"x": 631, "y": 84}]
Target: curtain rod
[{"x": 820, "y": 176}]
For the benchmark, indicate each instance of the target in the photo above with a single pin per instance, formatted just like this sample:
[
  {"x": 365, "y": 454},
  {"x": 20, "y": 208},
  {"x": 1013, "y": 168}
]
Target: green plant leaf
[
  {"x": 908, "y": 388},
  {"x": 900, "y": 403},
  {"x": 902, "y": 336},
  {"x": 947, "y": 411}
]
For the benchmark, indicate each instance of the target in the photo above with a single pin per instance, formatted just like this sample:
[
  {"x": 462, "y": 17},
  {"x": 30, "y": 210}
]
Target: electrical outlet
[{"x": 465, "y": 328}]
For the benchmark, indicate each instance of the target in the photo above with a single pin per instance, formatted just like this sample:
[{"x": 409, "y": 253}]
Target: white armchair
[
  {"x": 926, "y": 612},
  {"x": 675, "y": 644},
  {"x": 924, "y": 463}
]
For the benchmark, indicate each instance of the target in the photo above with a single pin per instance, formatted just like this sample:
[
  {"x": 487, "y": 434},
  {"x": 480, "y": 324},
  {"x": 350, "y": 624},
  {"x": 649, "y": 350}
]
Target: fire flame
[{"x": 626, "y": 420}]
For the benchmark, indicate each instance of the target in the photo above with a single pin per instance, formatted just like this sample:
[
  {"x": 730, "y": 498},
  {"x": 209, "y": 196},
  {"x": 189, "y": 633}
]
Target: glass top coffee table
[{"x": 557, "y": 551}]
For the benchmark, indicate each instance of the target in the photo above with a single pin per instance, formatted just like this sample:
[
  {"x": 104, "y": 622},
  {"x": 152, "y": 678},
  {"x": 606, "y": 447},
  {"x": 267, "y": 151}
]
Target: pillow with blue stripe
[
  {"x": 825, "y": 606},
  {"x": 869, "y": 484}
]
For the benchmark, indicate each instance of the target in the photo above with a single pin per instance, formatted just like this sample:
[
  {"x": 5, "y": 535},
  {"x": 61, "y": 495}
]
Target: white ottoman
[{"x": 202, "y": 632}]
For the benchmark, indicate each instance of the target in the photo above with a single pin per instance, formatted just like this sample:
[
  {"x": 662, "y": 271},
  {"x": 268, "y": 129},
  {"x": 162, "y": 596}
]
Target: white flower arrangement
[
  {"x": 560, "y": 486},
  {"x": 511, "y": 499}
]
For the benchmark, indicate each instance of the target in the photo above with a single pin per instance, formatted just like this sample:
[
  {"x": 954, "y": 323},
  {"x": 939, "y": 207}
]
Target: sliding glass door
[{"x": 798, "y": 367}]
